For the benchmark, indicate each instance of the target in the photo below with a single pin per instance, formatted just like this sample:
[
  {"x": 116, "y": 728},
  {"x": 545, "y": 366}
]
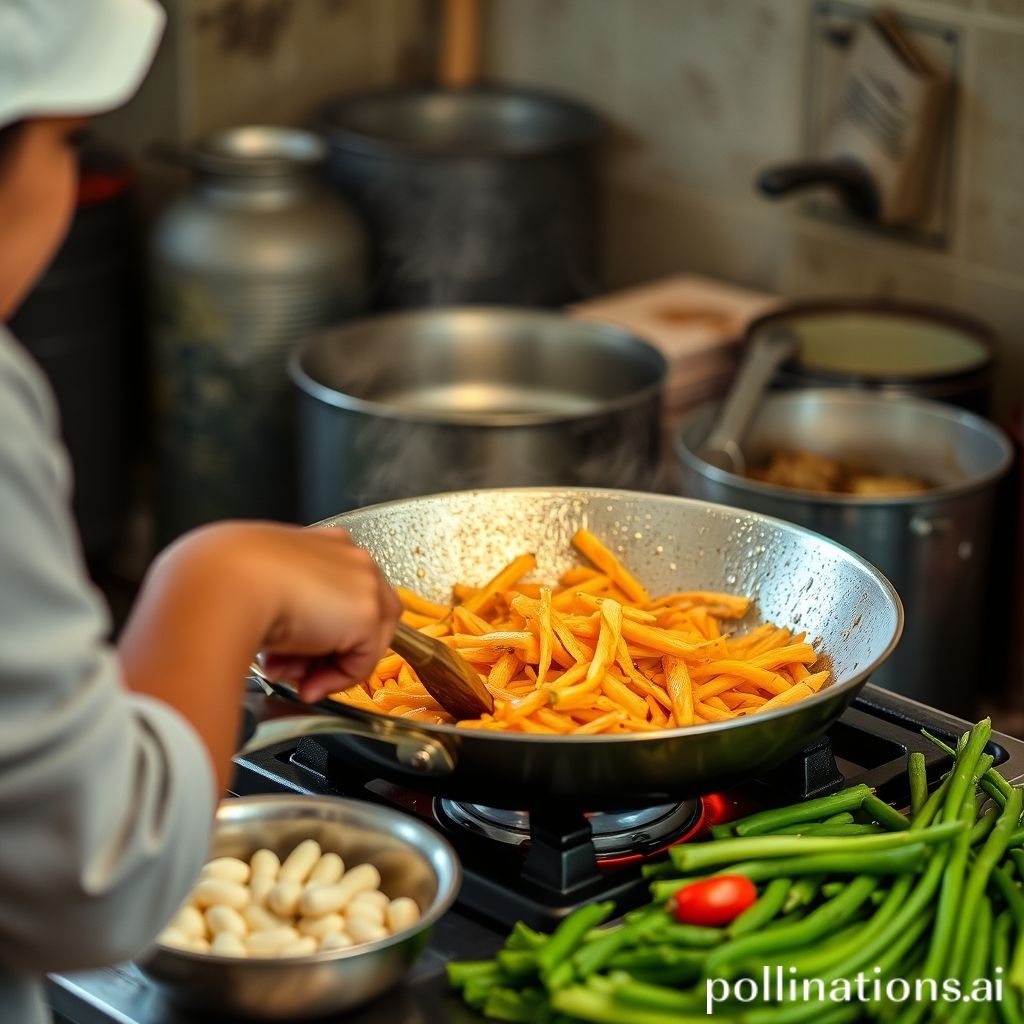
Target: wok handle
[{"x": 283, "y": 720}]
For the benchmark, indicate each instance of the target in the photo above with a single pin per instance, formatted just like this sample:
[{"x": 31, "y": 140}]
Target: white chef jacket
[{"x": 106, "y": 798}]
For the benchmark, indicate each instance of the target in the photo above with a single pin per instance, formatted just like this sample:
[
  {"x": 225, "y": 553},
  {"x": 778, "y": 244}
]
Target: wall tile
[
  {"x": 650, "y": 235},
  {"x": 1011, "y": 8},
  {"x": 567, "y": 46},
  {"x": 276, "y": 60},
  {"x": 994, "y": 207},
  {"x": 712, "y": 90}
]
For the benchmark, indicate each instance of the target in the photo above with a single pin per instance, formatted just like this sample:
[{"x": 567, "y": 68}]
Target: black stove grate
[{"x": 869, "y": 744}]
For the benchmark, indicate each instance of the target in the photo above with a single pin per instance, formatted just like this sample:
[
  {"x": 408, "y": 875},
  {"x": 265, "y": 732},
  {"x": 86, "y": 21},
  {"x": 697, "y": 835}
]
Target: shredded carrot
[{"x": 597, "y": 654}]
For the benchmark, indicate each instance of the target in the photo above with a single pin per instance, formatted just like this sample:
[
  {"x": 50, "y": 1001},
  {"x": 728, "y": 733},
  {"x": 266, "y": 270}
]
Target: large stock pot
[{"x": 935, "y": 547}]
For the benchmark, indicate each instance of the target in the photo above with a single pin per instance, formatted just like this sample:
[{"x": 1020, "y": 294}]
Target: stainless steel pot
[
  {"x": 482, "y": 195},
  {"x": 796, "y": 577},
  {"x": 412, "y": 403},
  {"x": 934, "y": 547}
]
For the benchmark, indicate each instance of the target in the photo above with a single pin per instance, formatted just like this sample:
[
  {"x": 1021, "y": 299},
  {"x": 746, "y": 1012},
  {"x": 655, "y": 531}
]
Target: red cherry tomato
[{"x": 714, "y": 902}]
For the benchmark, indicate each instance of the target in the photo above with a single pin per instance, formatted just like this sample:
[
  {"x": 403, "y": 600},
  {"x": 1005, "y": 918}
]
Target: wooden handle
[
  {"x": 460, "y": 43},
  {"x": 417, "y": 648}
]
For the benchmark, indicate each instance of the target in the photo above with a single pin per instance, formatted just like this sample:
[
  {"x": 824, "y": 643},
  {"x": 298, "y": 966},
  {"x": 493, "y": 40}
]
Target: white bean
[
  {"x": 362, "y": 930},
  {"x": 212, "y": 891},
  {"x": 402, "y": 913},
  {"x": 323, "y": 899},
  {"x": 174, "y": 937},
  {"x": 226, "y": 919},
  {"x": 328, "y": 870},
  {"x": 300, "y": 862},
  {"x": 374, "y": 898},
  {"x": 301, "y": 947},
  {"x": 272, "y": 941},
  {"x": 321, "y": 926},
  {"x": 371, "y": 913},
  {"x": 284, "y": 897},
  {"x": 198, "y": 946},
  {"x": 227, "y": 944},
  {"x": 259, "y": 919},
  {"x": 229, "y": 869},
  {"x": 259, "y": 890},
  {"x": 189, "y": 920},
  {"x": 264, "y": 864},
  {"x": 336, "y": 940}
]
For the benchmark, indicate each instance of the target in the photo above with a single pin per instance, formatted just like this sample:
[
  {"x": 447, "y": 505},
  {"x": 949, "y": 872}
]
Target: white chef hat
[{"x": 69, "y": 57}]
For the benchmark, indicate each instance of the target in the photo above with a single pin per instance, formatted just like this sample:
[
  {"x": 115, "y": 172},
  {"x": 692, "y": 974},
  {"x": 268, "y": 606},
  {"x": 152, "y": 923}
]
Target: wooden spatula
[{"x": 446, "y": 676}]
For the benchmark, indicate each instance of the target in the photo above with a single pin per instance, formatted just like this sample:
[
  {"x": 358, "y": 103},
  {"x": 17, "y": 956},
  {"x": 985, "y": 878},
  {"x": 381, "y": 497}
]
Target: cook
[{"x": 112, "y": 758}]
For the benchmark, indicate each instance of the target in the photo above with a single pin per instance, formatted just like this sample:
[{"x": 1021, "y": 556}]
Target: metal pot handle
[{"x": 414, "y": 750}]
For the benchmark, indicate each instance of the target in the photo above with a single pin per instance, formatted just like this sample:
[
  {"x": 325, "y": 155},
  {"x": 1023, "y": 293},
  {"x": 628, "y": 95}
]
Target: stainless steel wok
[{"x": 797, "y": 578}]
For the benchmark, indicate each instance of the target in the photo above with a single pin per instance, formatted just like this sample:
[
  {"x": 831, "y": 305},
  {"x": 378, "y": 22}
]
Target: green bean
[
  {"x": 705, "y": 855},
  {"x": 560, "y": 976},
  {"x": 509, "y": 1005},
  {"x": 964, "y": 769},
  {"x": 984, "y": 825},
  {"x": 690, "y": 935},
  {"x": 885, "y": 862},
  {"x": 842, "y": 818},
  {"x": 948, "y": 909},
  {"x": 886, "y": 816},
  {"x": 764, "y": 910},
  {"x": 1017, "y": 839},
  {"x": 476, "y": 991},
  {"x": 824, "y": 829},
  {"x": 933, "y": 804},
  {"x": 988, "y": 858},
  {"x": 912, "y": 908},
  {"x": 568, "y": 935},
  {"x": 1011, "y": 894},
  {"x": 583, "y": 1003},
  {"x": 827, "y": 918},
  {"x": 811, "y": 810},
  {"x": 643, "y": 996},
  {"x": 517, "y": 964},
  {"x": 524, "y": 937},
  {"x": 803, "y": 893},
  {"x": 660, "y": 964},
  {"x": 1015, "y": 977},
  {"x": 462, "y": 971},
  {"x": 1017, "y": 859},
  {"x": 1009, "y": 1005},
  {"x": 994, "y": 792},
  {"x": 917, "y": 772},
  {"x": 592, "y": 956},
  {"x": 975, "y": 963},
  {"x": 847, "y": 943}
]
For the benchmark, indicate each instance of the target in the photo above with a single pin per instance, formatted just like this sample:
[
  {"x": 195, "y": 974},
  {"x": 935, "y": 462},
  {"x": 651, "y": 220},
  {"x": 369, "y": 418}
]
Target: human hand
[{"x": 331, "y": 612}]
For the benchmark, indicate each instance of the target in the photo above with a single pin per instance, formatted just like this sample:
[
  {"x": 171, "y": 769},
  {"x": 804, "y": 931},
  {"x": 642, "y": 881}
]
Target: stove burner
[{"x": 615, "y": 835}]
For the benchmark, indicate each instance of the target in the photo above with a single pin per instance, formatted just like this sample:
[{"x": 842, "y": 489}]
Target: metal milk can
[{"x": 254, "y": 257}]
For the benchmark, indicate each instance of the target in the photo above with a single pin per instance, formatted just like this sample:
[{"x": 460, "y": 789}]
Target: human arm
[{"x": 225, "y": 591}]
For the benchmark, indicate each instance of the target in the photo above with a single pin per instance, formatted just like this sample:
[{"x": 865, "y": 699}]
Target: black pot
[{"x": 481, "y": 195}]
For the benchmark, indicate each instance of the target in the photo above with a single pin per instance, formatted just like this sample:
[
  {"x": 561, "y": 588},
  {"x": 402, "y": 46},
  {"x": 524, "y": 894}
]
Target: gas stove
[{"x": 538, "y": 867}]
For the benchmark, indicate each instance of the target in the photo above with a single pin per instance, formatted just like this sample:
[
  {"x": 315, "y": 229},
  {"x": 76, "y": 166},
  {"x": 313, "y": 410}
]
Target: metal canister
[{"x": 255, "y": 256}]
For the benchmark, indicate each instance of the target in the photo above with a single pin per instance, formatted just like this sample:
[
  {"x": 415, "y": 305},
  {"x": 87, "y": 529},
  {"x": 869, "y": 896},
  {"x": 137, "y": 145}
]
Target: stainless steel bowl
[{"x": 413, "y": 861}]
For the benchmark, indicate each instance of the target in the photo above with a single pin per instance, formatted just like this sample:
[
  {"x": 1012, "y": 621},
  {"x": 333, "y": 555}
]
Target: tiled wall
[{"x": 703, "y": 93}]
